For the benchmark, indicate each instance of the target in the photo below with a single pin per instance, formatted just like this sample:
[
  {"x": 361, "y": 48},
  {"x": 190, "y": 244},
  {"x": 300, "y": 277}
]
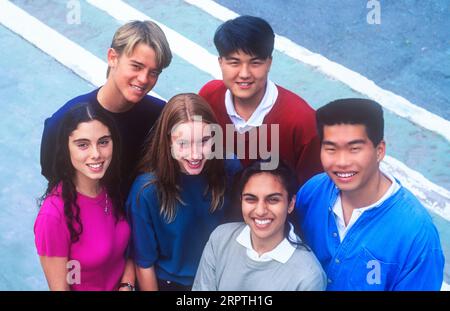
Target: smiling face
[
  {"x": 91, "y": 149},
  {"x": 191, "y": 145},
  {"x": 350, "y": 158},
  {"x": 133, "y": 76},
  {"x": 265, "y": 206},
  {"x": 245, "y": 76}
]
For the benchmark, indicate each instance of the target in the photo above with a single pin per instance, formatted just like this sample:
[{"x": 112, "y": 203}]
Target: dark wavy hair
[
  {"x": 63, "y": 172},
  {"x": 287, "y": 178}
]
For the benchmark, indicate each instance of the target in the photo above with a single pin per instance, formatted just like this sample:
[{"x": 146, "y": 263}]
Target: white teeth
[
  {"x": 194, "y": 162},
  {"x": 244, "y": 83},
  {"x": 345, "y": 175},
  {"x": 98, "y": 165},
  {"x": 262, "y": 221},
  {"x": 137, "y": 87}
]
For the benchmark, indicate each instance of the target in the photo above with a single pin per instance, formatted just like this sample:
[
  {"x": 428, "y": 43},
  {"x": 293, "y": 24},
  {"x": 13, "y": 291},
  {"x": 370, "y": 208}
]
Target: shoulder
[
  {"x": 211, "y": 88},
  {"x": 84, "y": 98},
  {"x": 409, "y": 207},
  {"x": 226, "y": 232},
  {"x": 143, "y": 182},
  {"x": 317, "y": 182},
  {"x": 151, "y": 103},
  {"x": 232, "y": 166},
  {"x": 53, "y": 206},
  {"x": 293, "y": 101}
]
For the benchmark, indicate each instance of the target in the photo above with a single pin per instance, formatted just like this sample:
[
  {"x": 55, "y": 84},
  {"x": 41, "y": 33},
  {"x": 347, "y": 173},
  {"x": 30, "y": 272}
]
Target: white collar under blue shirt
[
  {"x": 257, "y": 117},
  {"x": 339, "y": 213}
]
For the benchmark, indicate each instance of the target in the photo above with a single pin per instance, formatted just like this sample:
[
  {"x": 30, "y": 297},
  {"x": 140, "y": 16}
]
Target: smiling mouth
[
  {"x": 138, "y": 88},
  {"x": 96, "y": 166},
  {"x": 345, "y": 174},
  {"x": 194, "y": 164},
  {"x": 244, "y": 84}
]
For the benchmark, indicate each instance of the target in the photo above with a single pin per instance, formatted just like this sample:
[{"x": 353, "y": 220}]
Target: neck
[
  {"x": 262, "y": 246},
  {"x": 111, "y": 99},
  {"x": 90, "y": 188},
  {"x": 371, "y": 193},
  {"x": 245, "y": 107}
]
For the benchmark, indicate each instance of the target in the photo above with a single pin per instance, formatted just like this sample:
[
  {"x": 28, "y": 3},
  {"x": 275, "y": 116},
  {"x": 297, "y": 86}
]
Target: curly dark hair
[{"x": 63, "y": 172}]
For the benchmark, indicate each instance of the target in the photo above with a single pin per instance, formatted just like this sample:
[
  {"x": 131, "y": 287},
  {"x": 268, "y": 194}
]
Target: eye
[
  {"x": 205, "y": 140},
  {"x": 257, "y": 63},
  {"x": 273, "y": 200},
  {"x": 355, "y": 149},
  {"x": 250, "y": 200},
  {"x": 104, "y": 142},
  {"x": 182, "y": 143},
  {"x": 82, "y": 145},
  {"x": 135, "y": 67},
  {"x": 154, "y": 73}
]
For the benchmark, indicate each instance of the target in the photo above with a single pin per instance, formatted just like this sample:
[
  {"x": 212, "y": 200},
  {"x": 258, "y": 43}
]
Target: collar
[
  {"x": 281, "y": 253},
  {"x": 393, "y": 188},
  {"x": 257, "y": 118}
]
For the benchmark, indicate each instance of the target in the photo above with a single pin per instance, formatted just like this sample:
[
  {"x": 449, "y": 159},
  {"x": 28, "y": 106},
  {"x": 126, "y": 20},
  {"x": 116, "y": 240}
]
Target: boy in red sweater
[{"x": 268, "y": 121}]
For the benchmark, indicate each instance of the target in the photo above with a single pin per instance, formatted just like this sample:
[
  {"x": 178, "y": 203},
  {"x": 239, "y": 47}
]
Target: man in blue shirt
[{"x": 366, "y": 229}]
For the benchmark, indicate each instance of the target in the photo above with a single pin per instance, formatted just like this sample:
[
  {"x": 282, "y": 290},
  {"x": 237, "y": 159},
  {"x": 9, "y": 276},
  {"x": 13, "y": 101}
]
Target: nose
[
  {"x": 196, "y": 152},
  {"x": 143, "y": 77},
  {"x": 342, "y": 159},
  {"x": 244, "y": 72},
  {"x": 261, "y": 208},
  {"x": 95, "y": 153}
]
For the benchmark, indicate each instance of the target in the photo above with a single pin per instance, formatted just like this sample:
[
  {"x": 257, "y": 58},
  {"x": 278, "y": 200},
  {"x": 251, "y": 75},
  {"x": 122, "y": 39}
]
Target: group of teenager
[{"x": 138, "y": 197}]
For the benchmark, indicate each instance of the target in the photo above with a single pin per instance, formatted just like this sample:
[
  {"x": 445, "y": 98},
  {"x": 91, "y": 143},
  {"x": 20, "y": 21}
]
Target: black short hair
[
  {"x": 353, "y": 111},
  {"x": 250, "y": 34}
]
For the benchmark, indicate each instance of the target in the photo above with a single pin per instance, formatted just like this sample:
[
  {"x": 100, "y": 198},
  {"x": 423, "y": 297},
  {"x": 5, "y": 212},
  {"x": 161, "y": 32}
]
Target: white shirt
[
  {"x": 281, "y": 253},
  {"x": 357, "y": 212},
  {"x": 257, "y": 117}
]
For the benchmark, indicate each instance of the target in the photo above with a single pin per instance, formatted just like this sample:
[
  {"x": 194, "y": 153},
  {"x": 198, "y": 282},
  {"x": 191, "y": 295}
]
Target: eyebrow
[
  {"x": 353, "y": 142},
  {"x": 237, "y": 59},
  {"x": 87, "y": 140},
  {"x": 136, "y": 62},
  {"x": 268, "y": 196}
]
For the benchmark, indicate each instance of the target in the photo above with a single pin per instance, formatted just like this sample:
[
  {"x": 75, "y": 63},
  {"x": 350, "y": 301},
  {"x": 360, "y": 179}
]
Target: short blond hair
[{"x": 128, "y": 36}]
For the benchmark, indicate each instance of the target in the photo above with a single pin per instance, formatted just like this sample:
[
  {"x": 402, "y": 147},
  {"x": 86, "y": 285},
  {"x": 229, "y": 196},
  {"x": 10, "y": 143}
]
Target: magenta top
[{"x": 101, "y": 248}]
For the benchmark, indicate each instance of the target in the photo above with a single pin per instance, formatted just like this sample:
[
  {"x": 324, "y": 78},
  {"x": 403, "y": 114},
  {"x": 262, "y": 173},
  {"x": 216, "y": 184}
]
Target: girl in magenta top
[{"x": 81, "y": 234}]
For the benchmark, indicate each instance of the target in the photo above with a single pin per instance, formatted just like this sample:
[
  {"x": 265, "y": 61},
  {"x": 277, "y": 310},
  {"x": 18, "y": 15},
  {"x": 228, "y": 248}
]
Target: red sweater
[{"x": 299, "y": 144}]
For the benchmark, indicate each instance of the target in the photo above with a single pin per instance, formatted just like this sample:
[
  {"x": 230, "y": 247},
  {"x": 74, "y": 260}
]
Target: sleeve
[
  {"x": 51, "y": 235},
  {"x": 48, "y": 147},
  {"x": 205, "y": 278},
  {"x": 424, "y": 269},
  {"x": 140, "y": 202}
]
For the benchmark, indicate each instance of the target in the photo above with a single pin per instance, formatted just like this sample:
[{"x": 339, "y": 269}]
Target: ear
[
  {"x": 292, "y": 204},
  {"x": 381, "y": 150},
  {"x": 113, "y": 57}
]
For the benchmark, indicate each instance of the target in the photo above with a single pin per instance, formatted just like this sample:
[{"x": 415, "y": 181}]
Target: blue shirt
[
  {"x": 174, "y": 248},
  {"x": 394, "y": 246}
]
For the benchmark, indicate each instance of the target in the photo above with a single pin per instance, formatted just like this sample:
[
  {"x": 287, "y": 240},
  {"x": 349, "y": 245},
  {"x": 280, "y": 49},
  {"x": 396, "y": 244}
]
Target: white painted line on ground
[
  {"x": 180, "y": 45},
  {"x": 395, "y": 103},
  {"x": 68, "y": 53}
]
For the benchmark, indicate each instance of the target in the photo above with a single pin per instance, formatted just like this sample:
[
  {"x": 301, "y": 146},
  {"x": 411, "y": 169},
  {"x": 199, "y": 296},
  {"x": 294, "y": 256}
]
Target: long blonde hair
[{"x": 158, "y": 158}]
